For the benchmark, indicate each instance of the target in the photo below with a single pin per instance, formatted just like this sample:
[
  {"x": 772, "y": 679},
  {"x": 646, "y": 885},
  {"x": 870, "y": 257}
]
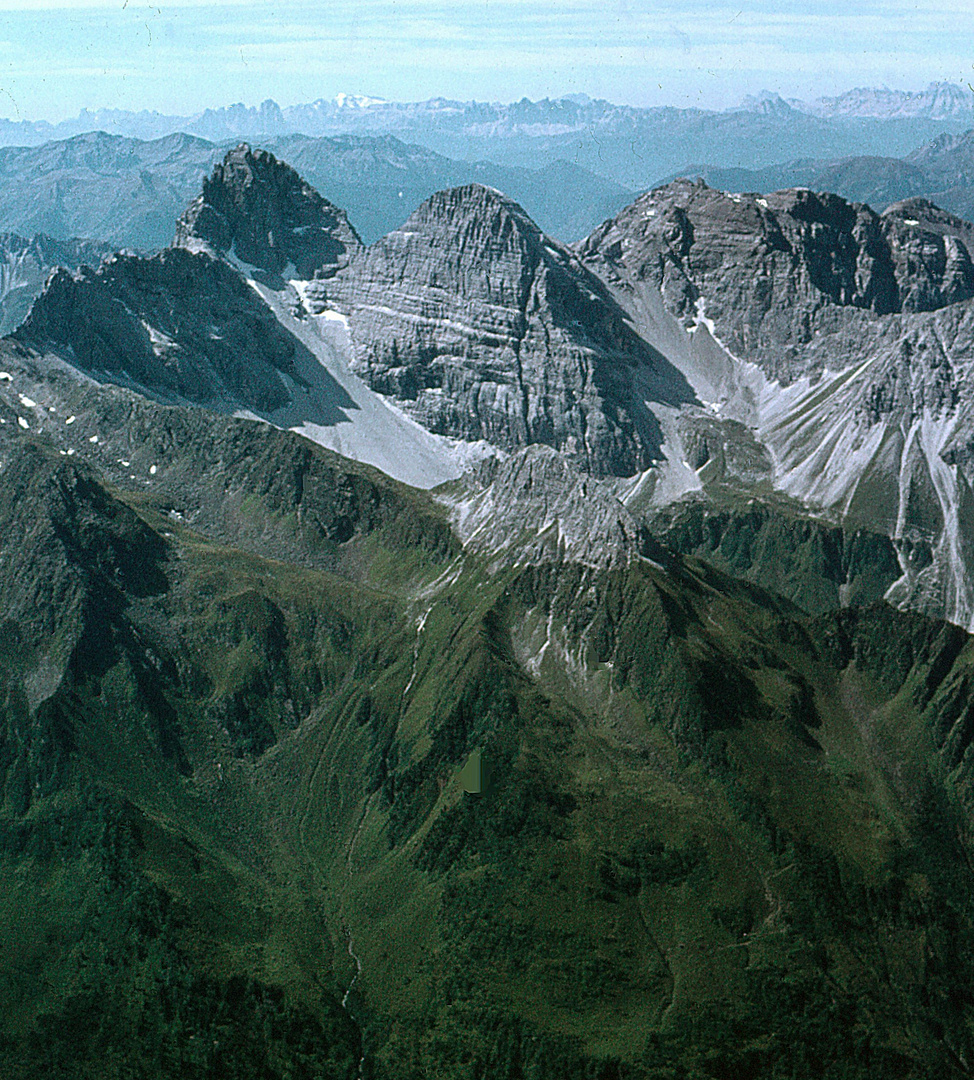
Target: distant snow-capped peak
[{"x": 357, "y": 101}]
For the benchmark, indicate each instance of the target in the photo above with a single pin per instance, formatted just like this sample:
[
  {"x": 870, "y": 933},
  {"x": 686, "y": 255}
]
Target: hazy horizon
[
  {"x": 58, "y": 57},
  {"x": 256, "y": 104}
]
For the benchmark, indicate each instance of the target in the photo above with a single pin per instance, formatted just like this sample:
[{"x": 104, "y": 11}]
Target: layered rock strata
[{"x": 481, "y": 327}]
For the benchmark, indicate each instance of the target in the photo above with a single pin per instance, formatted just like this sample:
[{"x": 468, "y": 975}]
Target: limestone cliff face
[
  {"x": 860, "y": 330},
  {"x": 261, "y": 210},
  {"x": 776, "y": 275},
  {"x": 481, "y": 327}
]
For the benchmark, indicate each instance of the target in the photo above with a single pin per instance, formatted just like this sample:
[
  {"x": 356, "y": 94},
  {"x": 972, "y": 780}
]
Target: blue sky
[{"x": 57, "y": 56}]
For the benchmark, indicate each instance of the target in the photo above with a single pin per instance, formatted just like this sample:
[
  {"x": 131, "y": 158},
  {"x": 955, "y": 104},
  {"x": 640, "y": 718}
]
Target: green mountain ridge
[{"x": 241, "y": 677}]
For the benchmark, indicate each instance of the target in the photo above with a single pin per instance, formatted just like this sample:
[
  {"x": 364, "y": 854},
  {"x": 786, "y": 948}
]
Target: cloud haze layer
[{"x": 58, "y": 57}]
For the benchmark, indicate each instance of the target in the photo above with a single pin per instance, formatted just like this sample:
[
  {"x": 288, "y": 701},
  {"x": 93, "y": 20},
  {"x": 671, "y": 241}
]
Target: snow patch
[
  {"x": 702, "y": 320},
  {"x": 196, "y": 246},
  {"x": 357, "y": 101},
  {"x": 159, "y": 341}
]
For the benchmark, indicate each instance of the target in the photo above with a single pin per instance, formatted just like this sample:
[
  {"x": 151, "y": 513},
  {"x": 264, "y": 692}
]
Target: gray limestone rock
[
  {"x": 185, "y": 326},
  {"x": 481, "y": 327},
  {"x": 777, "y": 274},
  {"x": 535, "y": 507},
  {"x": 851, "y": 342}
]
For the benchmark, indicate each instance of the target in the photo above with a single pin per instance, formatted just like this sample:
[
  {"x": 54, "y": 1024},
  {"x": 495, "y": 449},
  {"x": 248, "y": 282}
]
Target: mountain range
[
  {"x": 127, "y": 192},
  {"x": 668, "y": 530},
  {"x": 634, "y": 147},
  {"x": 941, "y": 171}
]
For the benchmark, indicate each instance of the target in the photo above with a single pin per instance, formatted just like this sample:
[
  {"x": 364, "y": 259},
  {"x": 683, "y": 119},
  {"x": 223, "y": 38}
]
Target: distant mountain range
[
  {"x": 635, "y": 147},
  {"x": 941, "y": 170},
  {"x": 940, "y": 101},
  {"x": 128, "y": 192}
]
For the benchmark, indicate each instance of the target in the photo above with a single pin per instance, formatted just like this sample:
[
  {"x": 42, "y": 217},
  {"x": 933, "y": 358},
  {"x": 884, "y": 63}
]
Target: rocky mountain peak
[
  {"x": 489, "y": 241},
  {"x": 482, "y": 327},
  {"x": 939, "y": 101},
  {"x": 260, "y": 210},
  {"x": 931, "y": 250},
  {"x": 770, "y": 272},
  {"x": 949, "y": 154},
  {"x": 767, "y": 104},
  {"x": 475, "y": 205}
]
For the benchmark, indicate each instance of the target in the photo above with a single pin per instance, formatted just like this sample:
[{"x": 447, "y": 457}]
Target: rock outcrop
[
  {"x": 535, "y": 508},
  {"x": 481, "y": 327},
  {"x": 774, "y": 274},
  {"x": 25, "y": 264},
  {"x": 848, "y": 344},
  {"x": 184, "y": 326},
  {"x": 259, "y": 210}
]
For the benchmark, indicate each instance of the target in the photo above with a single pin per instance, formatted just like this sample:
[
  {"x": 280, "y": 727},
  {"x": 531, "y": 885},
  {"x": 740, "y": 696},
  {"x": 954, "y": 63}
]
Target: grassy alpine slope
[{"x": 721, "y": 837}]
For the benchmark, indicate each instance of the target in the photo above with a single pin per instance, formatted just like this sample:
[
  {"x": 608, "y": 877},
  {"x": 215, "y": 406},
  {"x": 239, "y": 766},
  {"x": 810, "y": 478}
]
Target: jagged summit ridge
[
  {"x": 471, "y": 205},
  {"x": 841, "y": 338},
  {"x": 261, "y": 210},
  {"x": 774, "y": 272},
  {"x": 480, "y": 327},
  {"x": 181, "y": 326}
]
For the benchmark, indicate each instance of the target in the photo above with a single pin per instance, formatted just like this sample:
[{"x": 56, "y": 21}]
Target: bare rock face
[
  {"x": 535, "y": 507},
  {"x": 185, "y": 326},
  {"x": 862, "y": 326},
  {"x": 261, "y": 210},
  {"x": 774, "y": 274},
  {"x": 26, "y": 263},
  {"x": 481, "y": 327},
  {"x": 931, "y": 252}
]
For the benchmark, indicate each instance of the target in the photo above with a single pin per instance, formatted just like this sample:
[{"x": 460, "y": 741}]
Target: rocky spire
[{"x": 260, "y": 210}]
